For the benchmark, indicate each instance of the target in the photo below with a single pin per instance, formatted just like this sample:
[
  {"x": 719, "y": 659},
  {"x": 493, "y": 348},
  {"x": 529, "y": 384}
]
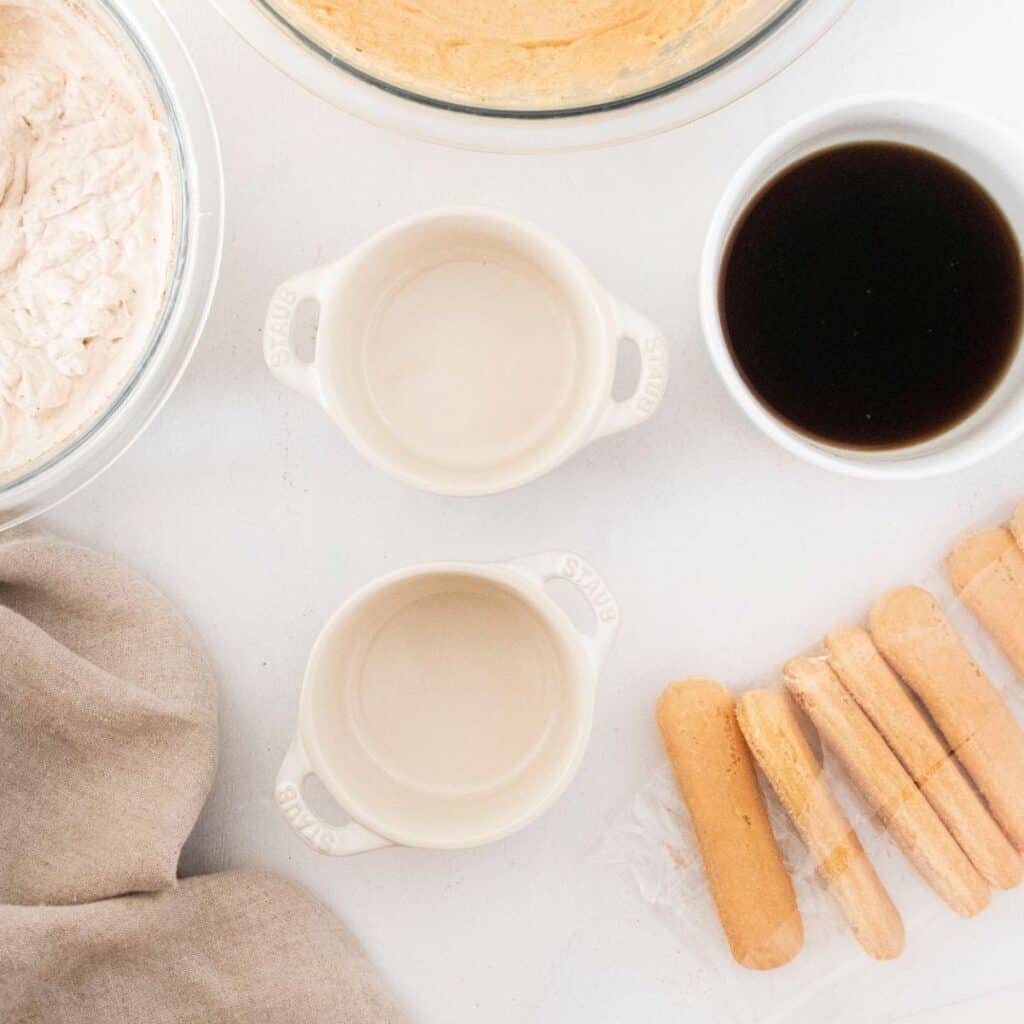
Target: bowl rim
[{"x": 796, "y": 26}]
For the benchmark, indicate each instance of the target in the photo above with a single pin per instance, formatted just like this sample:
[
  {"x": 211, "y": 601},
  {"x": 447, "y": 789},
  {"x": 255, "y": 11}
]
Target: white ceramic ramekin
[
  {"x": 358, "y": 718},
  {"x": 984, "y": 150},
  {"x": 349, "y": 291}
]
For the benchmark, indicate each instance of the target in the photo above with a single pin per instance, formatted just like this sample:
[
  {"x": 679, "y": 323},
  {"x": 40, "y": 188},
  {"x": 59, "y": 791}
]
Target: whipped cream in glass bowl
[
  {"x": 87, "y": 223},
  {"x": 110, "y": 235}
]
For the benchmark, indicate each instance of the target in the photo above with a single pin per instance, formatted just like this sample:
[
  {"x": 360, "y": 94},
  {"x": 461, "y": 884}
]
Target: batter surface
[{"x": 519, "y": 52}]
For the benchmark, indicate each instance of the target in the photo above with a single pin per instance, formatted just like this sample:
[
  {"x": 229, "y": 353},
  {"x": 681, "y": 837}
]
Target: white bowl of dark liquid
[{"x": 861, "y": 287}]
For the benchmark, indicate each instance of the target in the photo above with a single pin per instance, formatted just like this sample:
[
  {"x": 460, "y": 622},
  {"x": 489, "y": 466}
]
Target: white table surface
[{"x": 246, "y": 505}]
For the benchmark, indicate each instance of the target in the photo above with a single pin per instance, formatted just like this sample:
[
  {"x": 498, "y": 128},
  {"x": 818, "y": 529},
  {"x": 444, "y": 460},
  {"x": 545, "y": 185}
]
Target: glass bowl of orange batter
[{"x": 531, "y": 75}]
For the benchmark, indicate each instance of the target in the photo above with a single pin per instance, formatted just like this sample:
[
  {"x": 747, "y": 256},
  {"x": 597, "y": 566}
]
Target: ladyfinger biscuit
[
  {"x": 867, "y": 676},
  {"x": 777, "y": 742},
  {"x": 1017, "y": 525},
  {"x": 716, "y": 779},
  {"x": 889, "y": 790},
  {"x": 987, "y": 572},
  {"x": 915, "y": 637}
]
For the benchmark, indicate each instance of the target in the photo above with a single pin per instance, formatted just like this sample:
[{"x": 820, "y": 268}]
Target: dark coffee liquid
[{"x": 871, "y": 295}]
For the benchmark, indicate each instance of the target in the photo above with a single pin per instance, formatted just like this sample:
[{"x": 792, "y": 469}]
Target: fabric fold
[
  {"x": 108, "y": 739},
  {"x": 108, "y": 726},
  {"x": 241, "y": 947}
]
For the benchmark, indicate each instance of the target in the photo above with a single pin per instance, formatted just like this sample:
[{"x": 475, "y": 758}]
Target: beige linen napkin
[
  {"x": 108, "y": 726},
  {"x": 108, "y": 736},
  {"x": 243, "y": 946}
]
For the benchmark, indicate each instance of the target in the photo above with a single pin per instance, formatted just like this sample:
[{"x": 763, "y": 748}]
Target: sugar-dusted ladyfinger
[
  {"x": 1017, "y": 525},
  {"x": 717, "y": 781},
  {"x": 781, "y": 749},
  {"x": 987, "y": 572},
  {"x": 916, "y": 638},
  {"x": 891, "y": 793},
  {"x": 876, "y": 688}
]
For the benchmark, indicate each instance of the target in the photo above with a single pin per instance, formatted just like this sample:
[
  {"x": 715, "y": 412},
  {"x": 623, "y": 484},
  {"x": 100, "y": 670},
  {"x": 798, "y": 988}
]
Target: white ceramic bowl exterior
[
  {"x": 446, "y": 758},
  {"x": 987, "y": 152},
  {"x": 350, "y": 293}
]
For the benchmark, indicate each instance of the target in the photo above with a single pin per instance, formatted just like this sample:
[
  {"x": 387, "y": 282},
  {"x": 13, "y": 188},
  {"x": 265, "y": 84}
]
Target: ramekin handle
[
  {"x": 650, "y": 387},
  {"x": 564, "y": 565},
  {"x": 281, "y": 357},
  {"x": 333, "y": 840}
]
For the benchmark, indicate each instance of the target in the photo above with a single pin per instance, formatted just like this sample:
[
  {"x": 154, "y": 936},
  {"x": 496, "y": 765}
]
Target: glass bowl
[
  {"x": 200, "y": 207},
  {"x": 765, "y": 38}
]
